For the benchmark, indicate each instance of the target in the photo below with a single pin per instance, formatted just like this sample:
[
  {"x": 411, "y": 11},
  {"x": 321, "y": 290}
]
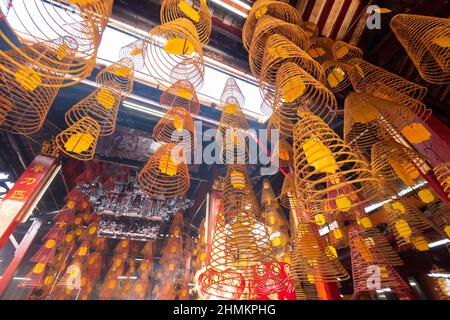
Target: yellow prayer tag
[
  {"x": 39, "y": 268},
  {"x": 342, "y": 52},
  {"x": 293, "y": 89},
  {"x": 168, "y": 166},
  {"x": 29, "y": 79},
  {"x": 343, "y": 203},
  {"x": 185, "y": 94},
  {"x": 179, "y": 46},
  {"x": 420, "y": 243},
  {"x": 136, "y": 52},
  {"x": 316, "y": 52},
  {"x": 231, "y": 108},
  {"x": 399, "y": 206},
  {"x": 190, "y": 12},
  {"x": 403, "y": 228},
  {"x": 79, "y": 143},
  {"x": 426, "y": 196},
  {"x": 278, "y": 52},
  {"x": 416, "y": 133},
  {"x": 106, "y": 99},
  {"x": 442, "y": 41},
  {"x": 122, "y": 71},
  {"x": 62, "y": 52},
  {"x": 360, "y": 71},
  {"x": 335, "y": 77},
  {"x": 260, "y": 12},
  {"x": 319, "y": 156}
]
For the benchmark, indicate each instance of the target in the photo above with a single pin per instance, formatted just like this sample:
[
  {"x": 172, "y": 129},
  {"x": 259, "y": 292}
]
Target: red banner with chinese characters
[{"x": 19, "y": 200}]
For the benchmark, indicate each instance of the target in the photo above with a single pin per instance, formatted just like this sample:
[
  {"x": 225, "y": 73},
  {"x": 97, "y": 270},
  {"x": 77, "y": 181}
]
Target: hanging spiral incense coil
[
  {"x": 363, "y": 258},
  {"x": 325, "y": 166},
  {"x": 322, "y": 50},
  {"x": 440, "y": 215},
  {"x": 198, "y": 13},
  {"x": 241, "y": 262},
  {"x": 337, "y": 75},
  {"x": 80, "y": 139},
  {"x": 176, "y": 126},
  {"x": 299, "y": 91},
  {"x": 267, "y": 26},
  {"x": 343, "y": 51},
  {"x": 174, "y": 52},
  {"x": 238, "y": 192},
  {"x": 279, "y": 51},
  {"x": 425, "y": 39},
  {"x": 166, "y": 174},
  {"x": 232, "y": 136},
  {"x": 120, "y": 73},
  {"x": 27, "y": 94},
  {"x": 287, "y": 196},
  {"x": 283, "y": 154},
  {"x": 284, "y": 119},
  {"x": 396, "y": 165},
  {"x": 310, "y": 29},
  {"x": 276, "y": 9},
  {"x": 181, "y": 95},
  {"x": 232, "y": 94},
  {"x": 37, "y": 21},
  {"x": 102, "y": 105},
  {"x": 134, "y": 51},
  {"x": 443, "y": 175},
  {"x": 338, "y": 235}
]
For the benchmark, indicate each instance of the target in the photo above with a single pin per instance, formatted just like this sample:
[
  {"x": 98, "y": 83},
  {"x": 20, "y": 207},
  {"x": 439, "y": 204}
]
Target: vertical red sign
[{"x": 16, "y": 203}]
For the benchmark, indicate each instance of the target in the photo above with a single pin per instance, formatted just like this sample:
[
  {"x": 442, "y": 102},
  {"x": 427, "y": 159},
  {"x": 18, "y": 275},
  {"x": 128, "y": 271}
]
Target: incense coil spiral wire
[
  {"x": 311, "y": 30},
  {"x": 322, "y": 50},
  {"x": 26, "y": 94},
  {"x": 120, "y": 74},
  {"x": 198, "y": 13},
  {"x": 337, "y": 75},
  {"x": 325, "y": 166},
  {"x": 374, "y": 80},
  {"x": 299, "y": 91},
  {"x": 102, "y": 105},
  {"x": 396, "y": 165},
  {"x": 267, "y": 26},
  {"x": 173, "y": 52},
  {"x": 344, "y": 52},
  {"x": 440, "y": 215},
  {"x": 284, "y": 154},
  {"x": 284, "y": 119},
  {"x": 442, "y": 173},
  {"x": 276, "y": 9},
  {"x": 425, "y": 40},
  {"x": 238, "y": 192},
  {"x": 79, "y": 140},
  {"x": 181, "y": 95},
  {"x": 134, "y": 51},
  {"x": 363, "y": 258},
  {"x": 176, "y": 126},
  {"x": 37, "y": 21},
  {"x": 287, "y": 195},
  {"x": 232, "y": 94},
  {"x": 166, "y": 174},
  {"x": 279, "y": 51}
]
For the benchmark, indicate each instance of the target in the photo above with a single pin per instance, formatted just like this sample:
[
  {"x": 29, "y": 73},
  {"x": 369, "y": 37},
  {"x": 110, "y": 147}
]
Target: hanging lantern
[
  {"x": 79, "y": 141},
  {"x": 173, "y": 48},
  {"x": 267, "y": 26},
  {"x": 197, "y": 12},
  {"x": 84, "y": 21},
  {"x": 426, "y": 40},
  {"x": 275, "y": 9},
  {"x": 165, "y": 176}
]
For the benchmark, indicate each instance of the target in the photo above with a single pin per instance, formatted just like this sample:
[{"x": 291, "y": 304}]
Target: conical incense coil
[
  {"x": 140, "y": 288},
  {"x": 181, "y": 95},
  {"x": 367, "y": 78},
  {"x": 370, "y": 270},
  {"x": 343, "y": 51},
  {"x": 396, "y": 166},
  {"x": 34, "y": 278},
  {"x": 425, "y": 39},
  {"x": 312, "y": 259},
  {"x": 28, "y": 90},
  {"x": 238, "y": 192},
  {"x": 287, "y": 196},
  {"x": 79, "y": 140},
  {"x": 279, "y": 51},
  {"x": 176, "y": 126},
  {"x": 232, "y": 94},
  {"x": 198, "y": 13},
  {"x": 34, "y": 21},
  {"x": 441, "y": 282},
  {"x": 276, "y": 9},
  {"x": 120, "y": 74},
  {"x": 311, "y": 30},
  {"x": 232, "y": 136},
  {"x": 284, "y": 154},
  {"x": 443, "y": 175},
  {"x": 322, "y": 50},
  {"x": 325, "y": 166},
  {"x": 134, "y": 51},
  {"x": 166, "y": 174},
  {"x": 284, "y": 119},
  {"x": 102, "y": 105},
  {"x": 267, "y": 26},
  {"x": 45, "y": 254},
  {"x": 440, "y": 215},
  {"x": 241, "y": 259},
  {"x": 172, "y": 49},
  {"x": 301, "y": 92},
  {"x": 337, "y": 75}
]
